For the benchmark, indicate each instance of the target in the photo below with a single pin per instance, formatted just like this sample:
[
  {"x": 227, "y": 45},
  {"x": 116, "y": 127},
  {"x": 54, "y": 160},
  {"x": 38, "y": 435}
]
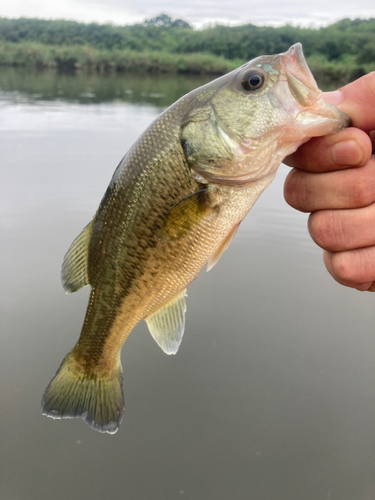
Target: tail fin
[{"x": 74, "y": 394}]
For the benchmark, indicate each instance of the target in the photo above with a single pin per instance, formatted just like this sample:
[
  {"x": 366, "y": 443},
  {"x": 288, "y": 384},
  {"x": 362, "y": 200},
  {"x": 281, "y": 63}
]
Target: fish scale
[{"x": 173, "y": 207}]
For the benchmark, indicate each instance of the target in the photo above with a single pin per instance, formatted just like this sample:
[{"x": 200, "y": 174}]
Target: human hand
[{"x": 334, "y": 178}]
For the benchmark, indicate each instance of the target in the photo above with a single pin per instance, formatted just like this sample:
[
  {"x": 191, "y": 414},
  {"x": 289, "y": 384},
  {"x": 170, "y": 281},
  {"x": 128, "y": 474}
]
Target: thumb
[{"x": 357, "y": 100}]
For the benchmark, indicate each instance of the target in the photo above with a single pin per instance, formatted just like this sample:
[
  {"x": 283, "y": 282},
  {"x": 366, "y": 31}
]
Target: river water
[{"x": 272, "y": 393}]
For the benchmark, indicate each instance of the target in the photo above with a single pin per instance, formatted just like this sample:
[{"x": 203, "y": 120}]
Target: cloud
[{"x": 198, "y": 13}]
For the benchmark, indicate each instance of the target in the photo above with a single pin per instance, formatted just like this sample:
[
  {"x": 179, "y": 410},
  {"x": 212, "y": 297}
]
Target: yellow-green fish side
[{"x": 172, "y": 207}]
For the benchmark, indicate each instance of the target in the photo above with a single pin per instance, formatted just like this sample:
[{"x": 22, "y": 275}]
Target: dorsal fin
[
  {"x": 74, "y": 271},
  {"x": 167, "y": 325},
  {"x": 225, "y": 244}
]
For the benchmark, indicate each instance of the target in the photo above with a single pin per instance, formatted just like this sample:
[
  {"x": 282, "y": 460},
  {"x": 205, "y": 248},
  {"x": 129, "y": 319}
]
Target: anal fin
[
  {"x": 167, "y": 325},
  {"x": 224, "y": 245}
]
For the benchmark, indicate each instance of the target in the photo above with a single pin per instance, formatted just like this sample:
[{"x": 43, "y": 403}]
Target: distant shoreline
[
  {"x": 342, "y": 51},
  {"x": 84, "y": 58}
]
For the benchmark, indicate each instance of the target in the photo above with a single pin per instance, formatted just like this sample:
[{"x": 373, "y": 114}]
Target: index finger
[{"x": 345, "y": 149}]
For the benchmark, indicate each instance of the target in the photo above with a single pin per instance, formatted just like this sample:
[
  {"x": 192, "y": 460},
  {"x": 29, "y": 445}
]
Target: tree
[{"x": 163, "y": 20}]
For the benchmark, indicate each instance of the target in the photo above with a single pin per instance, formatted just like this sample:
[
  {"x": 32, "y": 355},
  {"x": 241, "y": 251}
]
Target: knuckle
[
  {"x": 325, "y": 229},
  {"x": 356, "y": 267},
  {"x": 294, "y": 190},
  {"x": 344, "y": 267},
  {"x": 363, "y": 191}
]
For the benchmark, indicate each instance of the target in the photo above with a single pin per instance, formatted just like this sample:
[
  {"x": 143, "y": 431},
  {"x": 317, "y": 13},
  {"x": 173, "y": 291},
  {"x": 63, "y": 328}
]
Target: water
[{"x": 271, "y": 395}]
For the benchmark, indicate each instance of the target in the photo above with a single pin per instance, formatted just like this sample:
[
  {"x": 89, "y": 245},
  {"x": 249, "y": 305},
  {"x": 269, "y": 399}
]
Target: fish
[{"x": 172, "y": 208}]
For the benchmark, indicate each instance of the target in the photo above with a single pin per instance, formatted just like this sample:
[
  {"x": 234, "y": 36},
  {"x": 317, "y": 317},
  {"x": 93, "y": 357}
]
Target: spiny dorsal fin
[
  {"x": 225, "y": 244},
  {"x": 167, "y": 325},
  {"x": 74, "y": 271}
]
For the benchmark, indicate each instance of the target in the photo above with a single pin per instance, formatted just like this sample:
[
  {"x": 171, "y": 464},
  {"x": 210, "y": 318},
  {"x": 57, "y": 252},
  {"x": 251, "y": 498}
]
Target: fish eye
[{"x": 253, "y": 79}]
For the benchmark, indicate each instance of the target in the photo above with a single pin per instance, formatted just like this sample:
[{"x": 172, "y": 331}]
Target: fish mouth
[
  {"x": 301, "y": 81},
  {"x": 323, "y": 118},
  {"x": 313, "y": 115}
]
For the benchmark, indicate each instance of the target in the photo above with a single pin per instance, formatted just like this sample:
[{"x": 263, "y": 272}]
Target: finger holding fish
[
  {"x": 353, "y": 268},
  {"x": 334, "y": 178},
  {"x": 348, "y": 148},
  {"x": 335, "y": 190}
]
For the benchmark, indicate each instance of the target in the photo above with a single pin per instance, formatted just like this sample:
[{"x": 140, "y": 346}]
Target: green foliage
[
  {"x": 366, "y": 54},
  {"x": 160, "y": 33},
  {"x": 343, "y": 71},
  {"x": 160, "y": 44},
  {"x": 71, "y": 58},
  {"x": 166, "y": 22}
]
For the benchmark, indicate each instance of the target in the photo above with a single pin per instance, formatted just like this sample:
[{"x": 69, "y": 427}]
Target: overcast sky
[{"x": 196, "y": 12}]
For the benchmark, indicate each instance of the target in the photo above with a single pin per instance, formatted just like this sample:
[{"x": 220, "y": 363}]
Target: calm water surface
[{"x": 271, "y": 396}]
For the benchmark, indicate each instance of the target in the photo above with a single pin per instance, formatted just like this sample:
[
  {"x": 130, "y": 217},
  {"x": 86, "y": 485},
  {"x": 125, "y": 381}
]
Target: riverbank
[
  {"x": 84, "y": 57},
  {"x": 340, "y": 52},
  {"x": 87, "y": 58}
]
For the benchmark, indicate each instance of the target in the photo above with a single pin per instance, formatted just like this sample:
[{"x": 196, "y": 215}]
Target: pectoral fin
[
  {"x": 74, "y": 271},
  {"x": 219, "y": 252},
  {"x": 186, "y": 214},
  {"x": 168, "y": 323}
]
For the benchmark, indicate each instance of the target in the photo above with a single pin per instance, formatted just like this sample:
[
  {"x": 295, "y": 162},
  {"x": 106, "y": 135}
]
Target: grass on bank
[
  {"x": 84, "y": 57},
  {"x": 345, "y": 69}
]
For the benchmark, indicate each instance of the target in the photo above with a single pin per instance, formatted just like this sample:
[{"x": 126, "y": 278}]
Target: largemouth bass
[{"x": 172, "y": 207}]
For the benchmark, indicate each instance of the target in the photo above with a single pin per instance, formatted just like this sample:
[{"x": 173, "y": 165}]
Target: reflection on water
[
  {"x": 271, "y": 395},
  {"x": 20, "y": 85}
]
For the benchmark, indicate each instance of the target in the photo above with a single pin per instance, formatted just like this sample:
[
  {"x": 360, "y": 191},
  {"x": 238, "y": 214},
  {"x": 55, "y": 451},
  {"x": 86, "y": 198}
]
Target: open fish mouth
[
  {"x": 301, "y": 81},
  {"x": 313, "y": 115}
]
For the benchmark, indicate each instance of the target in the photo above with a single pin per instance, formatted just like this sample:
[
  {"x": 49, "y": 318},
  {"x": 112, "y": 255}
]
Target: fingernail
[
  {"x": 334, "y": 97},
  {"x": 347, "y": 153}
]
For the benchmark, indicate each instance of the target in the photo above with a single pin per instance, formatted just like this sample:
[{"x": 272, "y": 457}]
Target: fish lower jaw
[
  {"x": 236, "y": 180},
  {"x": 311, "y": 126},
  {"x": 321, "y": 119}
]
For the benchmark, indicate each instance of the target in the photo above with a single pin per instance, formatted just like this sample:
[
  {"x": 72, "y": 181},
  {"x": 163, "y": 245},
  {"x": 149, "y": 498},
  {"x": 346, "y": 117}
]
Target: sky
[{"x": 198, "y": 13}]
